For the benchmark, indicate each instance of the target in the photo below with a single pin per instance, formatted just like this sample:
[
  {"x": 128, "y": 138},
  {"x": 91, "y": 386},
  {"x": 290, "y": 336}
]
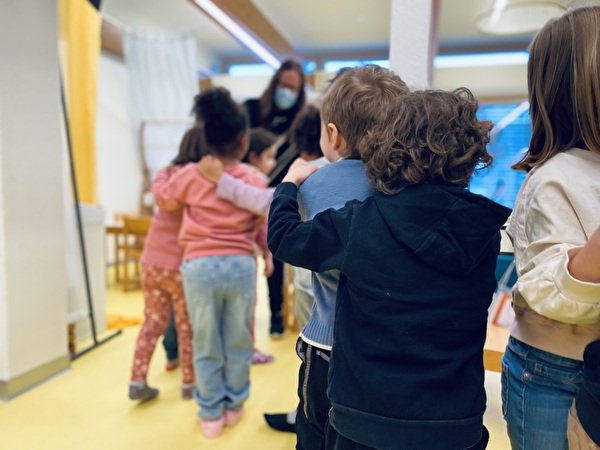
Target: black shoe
[
  {"x": 279, "y": 422},
  {"x": 277, "y": 330},
  {"x": 142, "y": 392}
]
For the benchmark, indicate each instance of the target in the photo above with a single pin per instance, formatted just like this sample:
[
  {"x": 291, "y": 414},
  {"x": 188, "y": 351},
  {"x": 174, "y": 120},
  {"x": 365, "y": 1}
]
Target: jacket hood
[{"x": 448, "y": 228}]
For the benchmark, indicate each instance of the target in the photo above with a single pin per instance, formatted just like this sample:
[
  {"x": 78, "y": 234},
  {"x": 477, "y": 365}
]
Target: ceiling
[{"x": 315, "y": 27}]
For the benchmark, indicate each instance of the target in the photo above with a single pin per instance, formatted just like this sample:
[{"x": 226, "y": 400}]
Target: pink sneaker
[
  {"x": 233, "y": 416},
  {"x": 259, "y": 357},
  {"x": 212, "y": 428}
]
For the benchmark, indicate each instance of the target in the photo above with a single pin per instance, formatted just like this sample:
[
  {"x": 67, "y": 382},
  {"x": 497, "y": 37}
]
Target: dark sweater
[
  {"x": 417, "y": 278},
  {"x": 588, "y": 396}
]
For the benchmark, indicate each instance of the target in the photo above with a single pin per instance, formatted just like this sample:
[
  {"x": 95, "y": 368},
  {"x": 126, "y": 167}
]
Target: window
[
  {"x": 513, "y": 127},
  {"x": 250, "y": 70}
]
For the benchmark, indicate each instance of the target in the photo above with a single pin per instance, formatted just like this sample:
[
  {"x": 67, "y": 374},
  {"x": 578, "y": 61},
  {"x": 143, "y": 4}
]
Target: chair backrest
[
  {"x": 136, "y": 225},
  {"x": 135, "y": 229}
]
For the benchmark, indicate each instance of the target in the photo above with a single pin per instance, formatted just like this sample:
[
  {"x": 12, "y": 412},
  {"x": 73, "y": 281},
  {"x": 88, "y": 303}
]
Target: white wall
[
  {"x": 485, "y": 82},
  {"x": 33, "y": 289},
  {"x": 119, "y": 165}
]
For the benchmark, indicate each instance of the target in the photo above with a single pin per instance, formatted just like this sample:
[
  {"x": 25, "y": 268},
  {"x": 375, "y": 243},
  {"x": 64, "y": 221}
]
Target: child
[
  {"x": 161, "y": 281},
  {"x": 357, "y": 100},
  {"x": 417, "y": 262},
  {"x": 555, "y": 234},
  {"x": 306, "y": 136},
  {"x": 261, "y": 151},
  {"x": 219, "y": 269},
  {"x": 261, "y": 155},
  {"x": 306, "y": 133}
]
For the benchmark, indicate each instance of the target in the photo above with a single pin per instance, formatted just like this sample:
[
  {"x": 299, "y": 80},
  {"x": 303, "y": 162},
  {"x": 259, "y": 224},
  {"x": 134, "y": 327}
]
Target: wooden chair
[{"x": 135, "y": 229}]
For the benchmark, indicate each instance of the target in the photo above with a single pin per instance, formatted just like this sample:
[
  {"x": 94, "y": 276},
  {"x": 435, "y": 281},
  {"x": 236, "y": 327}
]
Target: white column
[
  {"x": 33, "y": 281},
  {"x": 413, "y": 41}
]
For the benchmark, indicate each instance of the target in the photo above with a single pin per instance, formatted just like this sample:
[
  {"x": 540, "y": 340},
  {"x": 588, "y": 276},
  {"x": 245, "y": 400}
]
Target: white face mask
[{"x": 285, "y": 98}]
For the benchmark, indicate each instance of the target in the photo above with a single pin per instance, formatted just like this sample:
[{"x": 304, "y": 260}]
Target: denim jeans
[
  {"x": 170, "y": 339},
  {"x": 538, "y": 388},
  {"x": 219, "y": 292}
]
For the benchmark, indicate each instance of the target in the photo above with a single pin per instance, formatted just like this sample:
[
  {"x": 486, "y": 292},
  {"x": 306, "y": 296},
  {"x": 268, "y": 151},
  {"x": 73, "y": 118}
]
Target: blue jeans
[
  {"x": 170, "y": 339},
  {"x": 219, "y": 293},
  {"x": 538, "y": 388}
]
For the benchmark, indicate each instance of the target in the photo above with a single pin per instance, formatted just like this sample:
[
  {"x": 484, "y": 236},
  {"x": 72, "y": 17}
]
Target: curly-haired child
[{"x": 417, "y": 262}]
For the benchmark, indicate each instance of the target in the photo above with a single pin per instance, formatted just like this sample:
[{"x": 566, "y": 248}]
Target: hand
[
  {"x": 298, "y": 174},
  {"x": 584, "y": 262},
  {"x": 297, "y": 162},
  {"x": 211, "y": 168},
  {"x": 269, "y": 267}
]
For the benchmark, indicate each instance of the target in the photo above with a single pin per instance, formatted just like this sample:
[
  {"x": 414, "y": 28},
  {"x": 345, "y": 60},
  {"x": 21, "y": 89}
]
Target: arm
[
  {"x": 261, "y": 240},
  {"x": 317, "y": 244},
  {"x": 162, "y": 192},
  {"x": 251, "y": 198},
  {"x": 254, "y": 199},
  {"x": 584, "y": 262},
  {"x": 552, "y": 276}
]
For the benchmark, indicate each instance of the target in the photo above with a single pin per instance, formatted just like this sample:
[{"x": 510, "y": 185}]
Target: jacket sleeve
[
  {"x": 553, "y": 228},
  {"x": 163, "y": 193},
  {"x": 254, "y": 199},
  {"x": 317, "y": 244},
  {"x": 173, "y": 193}
]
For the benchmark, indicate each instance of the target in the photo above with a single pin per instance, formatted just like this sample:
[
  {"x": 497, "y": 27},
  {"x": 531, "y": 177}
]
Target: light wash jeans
[
  {"x": 219, "y": 292},
  {"x": 538, "y": 388}
]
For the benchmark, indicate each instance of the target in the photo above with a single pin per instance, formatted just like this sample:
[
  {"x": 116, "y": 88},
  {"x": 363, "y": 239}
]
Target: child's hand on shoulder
[
  {"x": 211, "y": 168},
  {"x": 298, "y": 174},
  {"x": 297, "y": 162}
]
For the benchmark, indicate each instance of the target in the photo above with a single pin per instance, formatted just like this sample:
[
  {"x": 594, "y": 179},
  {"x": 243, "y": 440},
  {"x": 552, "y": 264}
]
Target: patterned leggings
[{"x": 162, "y": 289}]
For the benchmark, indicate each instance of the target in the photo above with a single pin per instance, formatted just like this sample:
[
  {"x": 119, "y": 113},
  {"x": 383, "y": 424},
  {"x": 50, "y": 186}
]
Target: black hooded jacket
[{"x": 418, "y": 275}]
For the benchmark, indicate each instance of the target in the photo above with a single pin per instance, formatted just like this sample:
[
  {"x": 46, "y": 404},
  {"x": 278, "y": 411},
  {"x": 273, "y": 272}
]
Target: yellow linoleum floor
[{"x": 87, "y": 407}]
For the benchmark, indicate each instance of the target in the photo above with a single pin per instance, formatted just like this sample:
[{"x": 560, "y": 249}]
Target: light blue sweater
[{"x": 329, "y": 187}]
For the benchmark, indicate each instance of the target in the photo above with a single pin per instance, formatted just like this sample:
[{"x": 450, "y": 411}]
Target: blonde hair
[
  {"x": 563, "y": 76},
  {"x": 359, "y": 99},
  {"x": 428, "y": 137}
]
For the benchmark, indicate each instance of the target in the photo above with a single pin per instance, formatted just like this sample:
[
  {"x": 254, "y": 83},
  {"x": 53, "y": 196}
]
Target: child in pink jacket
[
  {"x": 219, "y": 267},
  {"x": 161, "y": 281}
]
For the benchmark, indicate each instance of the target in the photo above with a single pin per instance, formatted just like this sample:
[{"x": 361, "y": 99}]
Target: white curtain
[{"x": 163, "y": 76}]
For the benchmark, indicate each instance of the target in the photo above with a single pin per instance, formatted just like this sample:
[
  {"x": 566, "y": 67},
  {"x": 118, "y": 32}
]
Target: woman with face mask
[
  {"x": 275, "y": 110},
  {"x": 278, "y": 105}
]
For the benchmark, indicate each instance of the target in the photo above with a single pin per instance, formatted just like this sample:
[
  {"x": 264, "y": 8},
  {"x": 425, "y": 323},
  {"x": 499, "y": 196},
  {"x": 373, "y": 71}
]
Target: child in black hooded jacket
[{"x": 417, "y": 262}]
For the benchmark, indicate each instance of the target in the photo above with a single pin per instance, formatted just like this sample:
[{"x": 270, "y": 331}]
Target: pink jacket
[
  {"x": 212, "y": 226},
  {"x": 161, "y": 247}
]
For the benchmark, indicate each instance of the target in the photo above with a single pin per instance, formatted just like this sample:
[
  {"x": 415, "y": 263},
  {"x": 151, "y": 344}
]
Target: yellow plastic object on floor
[{"x": 117, "y": 321}]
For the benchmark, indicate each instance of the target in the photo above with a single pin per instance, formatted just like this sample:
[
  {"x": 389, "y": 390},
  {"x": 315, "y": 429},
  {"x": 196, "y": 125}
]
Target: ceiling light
[
  {"x": 245, "y": 38},
  {"x": 518, "y": 18}
]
